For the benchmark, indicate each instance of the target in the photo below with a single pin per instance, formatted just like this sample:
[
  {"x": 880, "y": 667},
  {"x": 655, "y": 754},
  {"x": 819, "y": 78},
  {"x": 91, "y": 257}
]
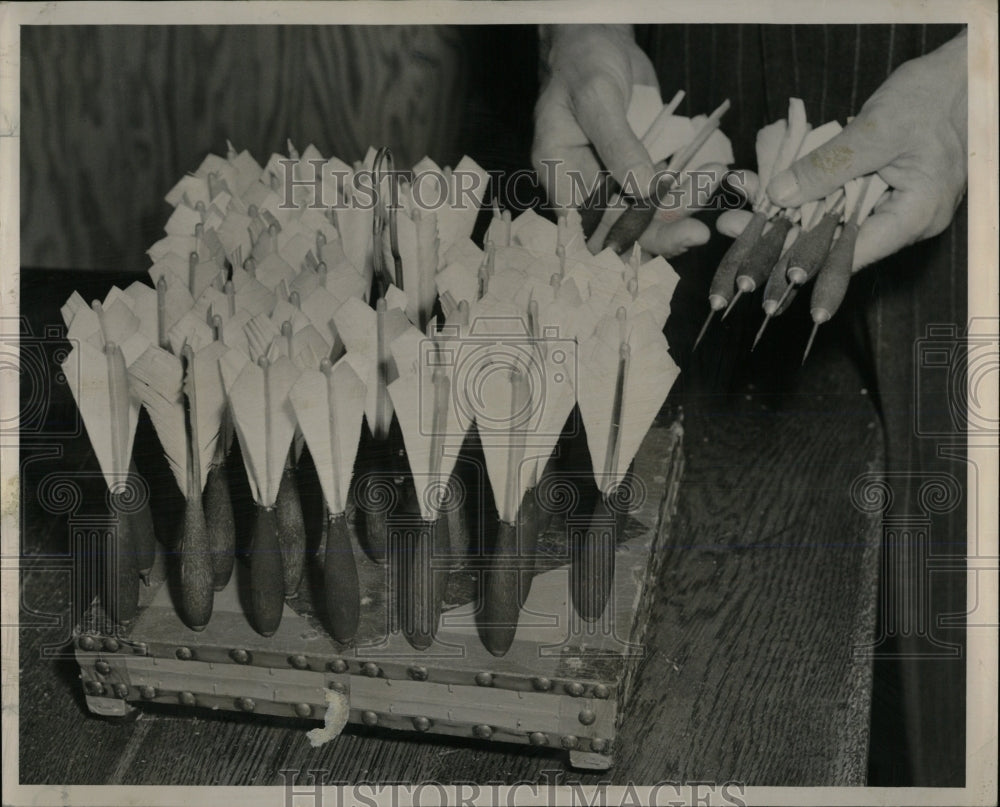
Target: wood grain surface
[
  {"x": 112, "y": 116},
  {"x": 767, "y": 586}
]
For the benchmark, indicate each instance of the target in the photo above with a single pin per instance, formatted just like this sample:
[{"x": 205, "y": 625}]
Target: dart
[
  {"x": 762, "y": 257},
  {"x": 367, "y": 336},
  {"x": 217, "y": 500},
  {"x": 625, "y": 375},
  {"x": 106, "y": 341},
  {"x": 777, "y": 292},
  {"x": 862, "y": 195},
  {"x": 306, "y": 349},
  {"x": 776, "y": 147},
  {"x": 433, "y": 431},
  {"x": 801, "y": 260},
  {"x": 807, "y": 254},
  {"x": 620, "y": 232},
  {"x": 411, "y": 287},
  {"x": 606, "y": 188},
  {"x": 720, "y": 291},
  {"x": 329, "y": 404},
  {"x": 555, "y": 361},
  {"x": 185, "y": 401},
  {"x": 504, "y": 450},
  {"x": 265, "y": 424}
]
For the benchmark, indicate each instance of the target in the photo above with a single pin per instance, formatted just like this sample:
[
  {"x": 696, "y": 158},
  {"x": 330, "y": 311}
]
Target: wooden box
[{"x": 564, "y": 683}]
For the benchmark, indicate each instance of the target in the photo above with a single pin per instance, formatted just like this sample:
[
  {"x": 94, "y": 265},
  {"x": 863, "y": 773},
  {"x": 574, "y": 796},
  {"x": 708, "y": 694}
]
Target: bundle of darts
[
  {"x": 782, "y": 249},
  {"x": 347, "y": 315},
  {"x": 678, "y": 146}
]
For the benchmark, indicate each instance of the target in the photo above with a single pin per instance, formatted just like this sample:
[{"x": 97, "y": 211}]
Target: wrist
[{"x": 555, "y": 38}]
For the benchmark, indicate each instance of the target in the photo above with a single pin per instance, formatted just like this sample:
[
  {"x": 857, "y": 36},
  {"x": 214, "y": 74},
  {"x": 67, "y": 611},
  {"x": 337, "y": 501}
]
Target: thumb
[
  {"x": 861, "y": 147},
  {"x": 733, "y": 222},
  {"x": 601, "y": 113}
]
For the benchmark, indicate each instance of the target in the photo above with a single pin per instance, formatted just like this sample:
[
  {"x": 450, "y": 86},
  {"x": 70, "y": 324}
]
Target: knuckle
[
  {"x": 908, "y": 71},
  {"x": 592, "y": 91},
  {"x": 874, "y": 123}
]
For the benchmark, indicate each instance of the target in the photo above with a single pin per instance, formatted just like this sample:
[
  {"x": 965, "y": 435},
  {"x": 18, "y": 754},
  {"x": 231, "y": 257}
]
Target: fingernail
[{"x": 783, "y": 189}]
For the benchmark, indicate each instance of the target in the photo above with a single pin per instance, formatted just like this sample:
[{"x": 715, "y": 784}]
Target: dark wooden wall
[{"x": 112, "y": 116}]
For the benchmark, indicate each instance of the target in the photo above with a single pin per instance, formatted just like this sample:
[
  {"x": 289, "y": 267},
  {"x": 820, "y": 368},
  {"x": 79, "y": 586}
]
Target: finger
[
  {"x": 672, "y": 238},
  {"x": 559, "y": 146},
  {"x": 863, "y": 146},
  {"x": 565, "y": 173},
  {"x": 898, "y": 222},
  {"x": 733, "y": 222},
  {"x": 745, "y": 182},
  {"x": 692, "y": 194},
  {"x": 600, "y": 110}
]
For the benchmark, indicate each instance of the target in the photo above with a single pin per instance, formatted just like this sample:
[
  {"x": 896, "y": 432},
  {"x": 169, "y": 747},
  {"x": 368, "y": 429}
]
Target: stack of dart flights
[
  {"x": 781, "y": 249},
  {"x": 313, "y": 320}
]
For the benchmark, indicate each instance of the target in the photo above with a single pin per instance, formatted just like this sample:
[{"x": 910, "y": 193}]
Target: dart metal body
[
  {"x": 292, "y": 528},
  {"x": 341, "y": 589},
  {"x": 221, "y": 524}
]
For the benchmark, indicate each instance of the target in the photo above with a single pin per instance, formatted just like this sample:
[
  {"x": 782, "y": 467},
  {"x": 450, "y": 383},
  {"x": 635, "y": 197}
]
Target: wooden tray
[{"x": 565, "y": 682}]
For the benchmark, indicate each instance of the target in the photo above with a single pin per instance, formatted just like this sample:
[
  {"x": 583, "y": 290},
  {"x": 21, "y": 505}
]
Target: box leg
[
  {"x": 114, "y": 708},
  {"x": 588, "y": 760}
]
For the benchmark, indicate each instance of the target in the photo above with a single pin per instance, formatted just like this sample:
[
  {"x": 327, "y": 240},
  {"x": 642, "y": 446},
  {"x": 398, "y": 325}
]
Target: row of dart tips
[{"x": 813, "y": 254}]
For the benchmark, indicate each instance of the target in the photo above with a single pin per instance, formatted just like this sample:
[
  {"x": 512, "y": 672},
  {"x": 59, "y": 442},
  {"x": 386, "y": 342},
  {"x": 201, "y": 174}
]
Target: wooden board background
[{"x": 112, "y": 116}]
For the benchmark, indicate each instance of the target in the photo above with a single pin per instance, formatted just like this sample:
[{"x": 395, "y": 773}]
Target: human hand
[
  {"x": 913, "y": 133},
  {"x": 580, "y": 124}
]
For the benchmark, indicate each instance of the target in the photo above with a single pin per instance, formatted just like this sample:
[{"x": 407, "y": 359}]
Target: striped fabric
[{"x": 834, "y": 68}]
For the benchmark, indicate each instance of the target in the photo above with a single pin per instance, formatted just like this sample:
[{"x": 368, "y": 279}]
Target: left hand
[
  {"x": 580, "y": 123},
  {"x": 913, "y": 133}
]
